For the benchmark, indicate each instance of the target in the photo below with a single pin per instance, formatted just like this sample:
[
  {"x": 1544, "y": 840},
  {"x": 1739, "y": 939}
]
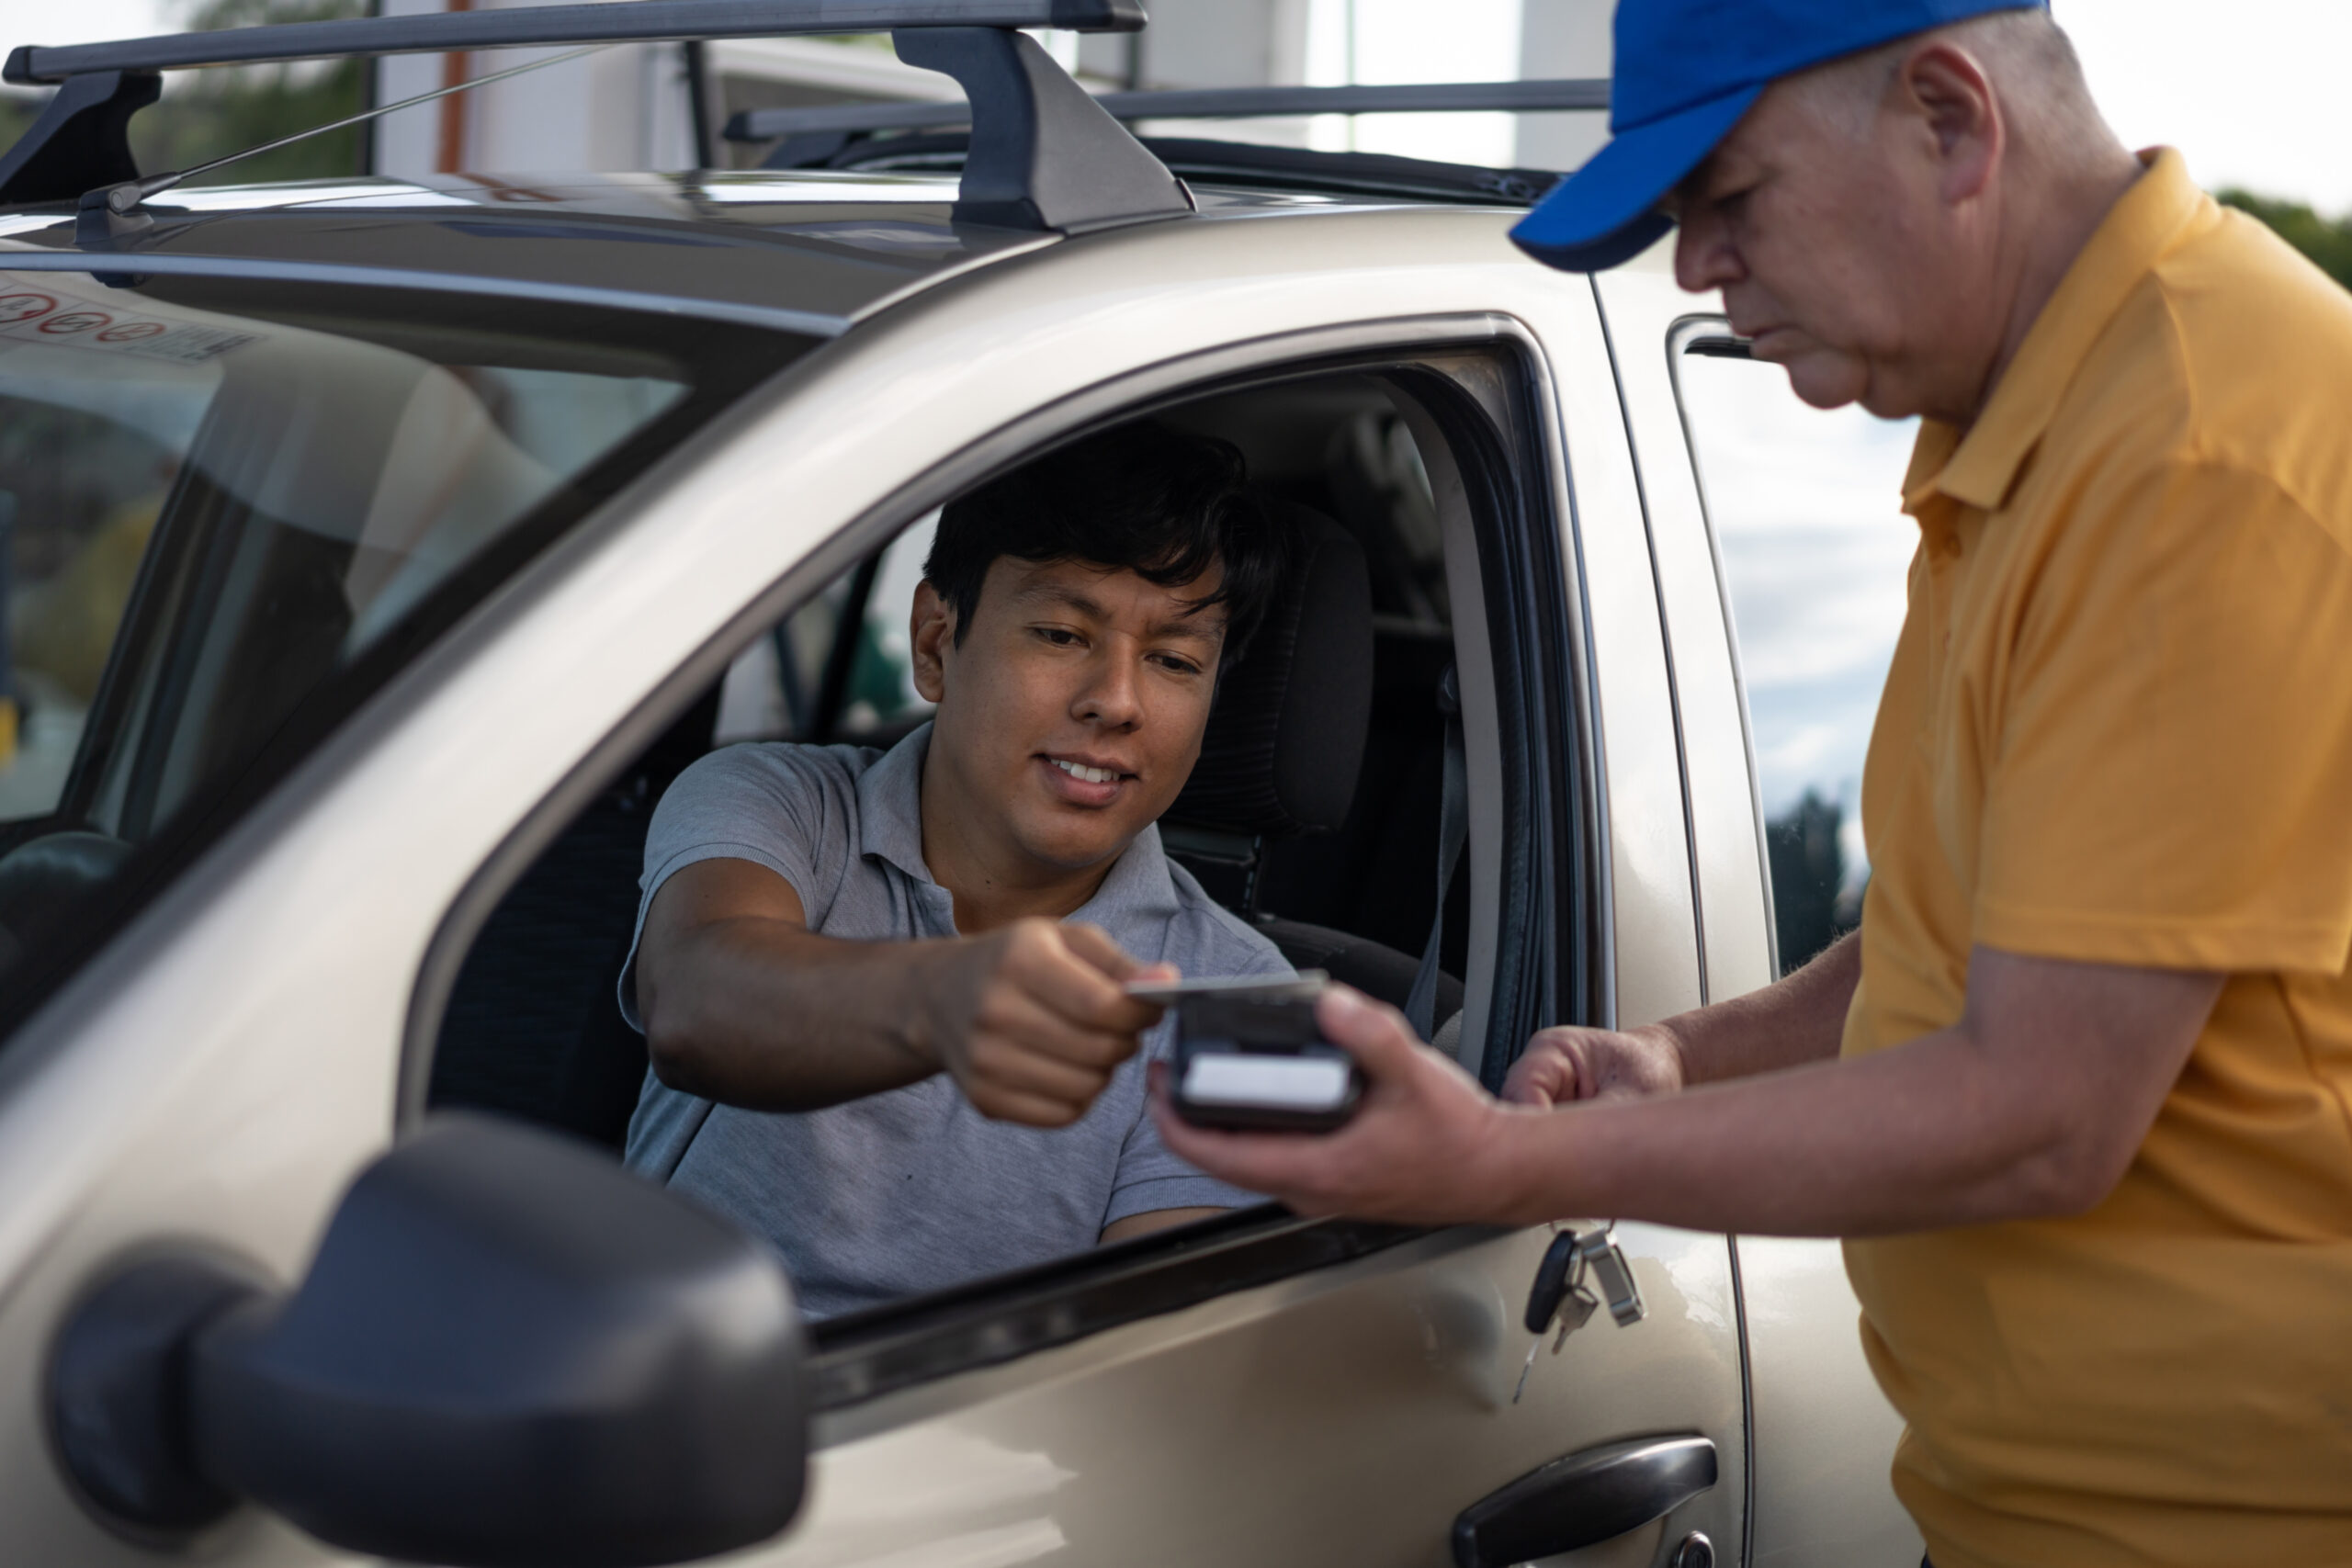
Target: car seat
[
  {"x": 1282, "y": 757},
  {"x": 533, "y": 1027}
]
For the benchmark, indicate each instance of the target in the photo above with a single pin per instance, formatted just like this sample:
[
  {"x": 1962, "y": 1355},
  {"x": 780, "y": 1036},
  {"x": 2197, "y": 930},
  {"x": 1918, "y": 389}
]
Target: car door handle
[{"x": 1582, "y": 1499}]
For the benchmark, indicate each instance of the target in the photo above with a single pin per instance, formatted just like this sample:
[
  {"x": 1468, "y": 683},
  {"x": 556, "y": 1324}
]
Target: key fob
[
  {"x": 1554, "y": 1277},
  {"x": 1614, "y": 1275}
]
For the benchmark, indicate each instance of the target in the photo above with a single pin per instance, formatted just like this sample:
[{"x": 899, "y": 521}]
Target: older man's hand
[
  {"x": 1568, "y": 1063},
  {"x": 1425, "y": 1147}
]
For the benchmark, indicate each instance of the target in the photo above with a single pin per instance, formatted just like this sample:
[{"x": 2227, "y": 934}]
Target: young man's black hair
[{"x": 1160, "y": 503}]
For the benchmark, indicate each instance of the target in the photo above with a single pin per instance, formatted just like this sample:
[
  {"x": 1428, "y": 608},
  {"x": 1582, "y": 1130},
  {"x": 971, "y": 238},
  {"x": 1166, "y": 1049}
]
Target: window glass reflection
[{"x": 1806, "y": 509}]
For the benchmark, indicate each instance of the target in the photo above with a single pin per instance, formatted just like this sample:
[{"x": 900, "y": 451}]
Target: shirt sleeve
[
  {"x": 1149, "y": 1178},
  {"x": 791, "y": 808},
  {"x": 2168, "y": 739}
]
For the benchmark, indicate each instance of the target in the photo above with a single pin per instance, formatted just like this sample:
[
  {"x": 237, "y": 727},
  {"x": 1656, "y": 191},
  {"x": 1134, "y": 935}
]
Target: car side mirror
[{"x": 508, "y": 1352}]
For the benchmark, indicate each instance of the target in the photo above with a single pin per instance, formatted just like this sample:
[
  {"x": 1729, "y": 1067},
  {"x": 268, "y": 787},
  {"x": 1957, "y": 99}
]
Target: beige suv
[{"x": 379, "y": 553}]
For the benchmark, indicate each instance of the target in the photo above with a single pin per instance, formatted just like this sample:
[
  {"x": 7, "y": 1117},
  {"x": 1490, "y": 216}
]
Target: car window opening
[{"x": 1336, "y": 873}]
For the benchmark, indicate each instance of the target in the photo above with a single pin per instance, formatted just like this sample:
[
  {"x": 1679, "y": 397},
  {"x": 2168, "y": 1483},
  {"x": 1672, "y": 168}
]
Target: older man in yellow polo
[{"x": 2079, "y": 1093}]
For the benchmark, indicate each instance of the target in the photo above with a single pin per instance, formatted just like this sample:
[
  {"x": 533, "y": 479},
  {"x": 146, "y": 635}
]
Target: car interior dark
[{"x": 1314, "y": 812}]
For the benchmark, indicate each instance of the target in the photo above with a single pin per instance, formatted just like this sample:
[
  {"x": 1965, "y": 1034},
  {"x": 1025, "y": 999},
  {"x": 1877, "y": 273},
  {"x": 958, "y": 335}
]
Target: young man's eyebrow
[
  {"x": 1186, "y": 623},
  {"x": 1055, "y": 593},
  {"x": 1183, "y": 624}
]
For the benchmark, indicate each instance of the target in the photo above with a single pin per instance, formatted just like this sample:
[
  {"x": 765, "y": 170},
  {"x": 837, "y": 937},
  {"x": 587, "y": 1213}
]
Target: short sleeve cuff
[
  {"x": 2215, "y": 945},
  {"x": 694, "y": 854},
  {"x": 1159, "y": 1192},
  {"x": 691, "y": 855}
]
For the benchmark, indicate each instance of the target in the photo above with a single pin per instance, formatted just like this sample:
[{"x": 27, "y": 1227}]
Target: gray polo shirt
[{"x": 912, "y": 1191}]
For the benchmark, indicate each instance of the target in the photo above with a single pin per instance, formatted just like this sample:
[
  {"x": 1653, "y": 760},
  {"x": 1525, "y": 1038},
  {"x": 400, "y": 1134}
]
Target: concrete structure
[
  {"x": 1207, "y": 43},
  {"x": 1562, "y": 39}
]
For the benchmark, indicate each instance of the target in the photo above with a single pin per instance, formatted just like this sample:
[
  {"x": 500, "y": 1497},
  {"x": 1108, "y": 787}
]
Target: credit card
[{"x": 1309, "y": 983}]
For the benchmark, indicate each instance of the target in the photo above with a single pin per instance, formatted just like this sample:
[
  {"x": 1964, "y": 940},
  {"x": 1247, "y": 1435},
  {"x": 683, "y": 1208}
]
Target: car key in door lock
[{"x": 1561, "y": 1294}]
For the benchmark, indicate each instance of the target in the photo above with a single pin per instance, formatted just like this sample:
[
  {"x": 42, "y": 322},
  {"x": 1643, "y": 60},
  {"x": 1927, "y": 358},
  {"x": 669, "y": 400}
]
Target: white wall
[
  {"x": 1562, "y": 39},
  {"x": 1210, "y": 43},
  {"x": 623, "y": 107}
]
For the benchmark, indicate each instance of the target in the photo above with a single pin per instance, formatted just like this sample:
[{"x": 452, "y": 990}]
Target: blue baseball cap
[{"x": 1685, "y": 71}]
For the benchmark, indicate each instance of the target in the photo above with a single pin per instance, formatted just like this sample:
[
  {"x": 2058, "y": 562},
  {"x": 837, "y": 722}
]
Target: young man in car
[
  {"x": 2079, "y": 1094},
  {"x": 884, "y": 992}
]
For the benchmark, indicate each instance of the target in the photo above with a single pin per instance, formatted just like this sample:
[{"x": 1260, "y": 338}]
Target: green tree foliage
[
  {"x": 2326, "y": 241},
  {"x": 209, "y": 113},
  {"x": 1808, "y": 870}
]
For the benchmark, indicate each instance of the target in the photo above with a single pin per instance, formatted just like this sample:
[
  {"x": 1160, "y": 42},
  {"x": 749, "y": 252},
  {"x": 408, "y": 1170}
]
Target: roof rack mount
[
  {"x": 1044, "y": 156},
  {"x": 1214, "y": 103}
]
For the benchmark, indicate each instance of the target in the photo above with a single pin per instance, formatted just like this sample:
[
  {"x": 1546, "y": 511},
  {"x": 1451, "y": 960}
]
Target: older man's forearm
[
  {"x": 1912, "y": 1139},
  {"x": 2032, "y": 1106},
  {"x": 1797, "y": 1019}
]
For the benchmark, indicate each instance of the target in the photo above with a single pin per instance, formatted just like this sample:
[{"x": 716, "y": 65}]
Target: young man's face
[{"x": 1072, "y": 712}]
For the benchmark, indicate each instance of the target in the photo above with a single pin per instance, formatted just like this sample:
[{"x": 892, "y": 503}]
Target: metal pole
[
  {"x": 371, "y": 95},
  {"x": 455, "y": 68},
  {"x": 705, "y": 129},
  {"x": 1350, "y": 16},
  {"x": 11, "y": 710}
]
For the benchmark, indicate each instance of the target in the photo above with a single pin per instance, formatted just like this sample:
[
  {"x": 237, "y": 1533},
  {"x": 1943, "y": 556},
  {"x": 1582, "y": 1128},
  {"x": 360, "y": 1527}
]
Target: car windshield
[{"x": 231, "y": 509}]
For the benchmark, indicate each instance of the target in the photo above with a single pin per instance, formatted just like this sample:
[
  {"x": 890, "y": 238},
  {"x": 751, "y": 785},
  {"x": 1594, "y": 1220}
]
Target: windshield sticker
[{"x": 55, "y": 317}]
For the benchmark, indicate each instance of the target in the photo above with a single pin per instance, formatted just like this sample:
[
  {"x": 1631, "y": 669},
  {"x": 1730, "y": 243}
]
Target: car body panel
[
  {"x": 1273, "y": 1419},
  {"x": 225, "y": 1067},
  {"x": 1641, "y": 306},
  {"x": 1823, "y": 1435},
  {"x": 1655, "y": 927}
]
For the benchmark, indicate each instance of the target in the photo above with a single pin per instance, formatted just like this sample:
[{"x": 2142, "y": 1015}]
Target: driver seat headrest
[{"x": 1286, "y": 737}]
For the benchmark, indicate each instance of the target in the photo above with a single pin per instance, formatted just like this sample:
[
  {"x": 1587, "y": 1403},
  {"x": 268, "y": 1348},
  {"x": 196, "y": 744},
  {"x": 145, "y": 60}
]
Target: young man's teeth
[{"x": 1080, "y": 770}]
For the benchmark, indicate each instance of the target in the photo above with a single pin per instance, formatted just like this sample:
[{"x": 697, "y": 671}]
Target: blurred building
[
  {"x": 637, "y": 107},
  {"x": 1562, "y": 38}
]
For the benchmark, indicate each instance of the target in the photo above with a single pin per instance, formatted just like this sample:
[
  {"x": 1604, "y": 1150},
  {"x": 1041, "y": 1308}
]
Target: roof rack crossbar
[
  {"x": 642, "y": 21},
  {"x": 1218, "y": 103},
  {"x": 1044, "y": 155}
]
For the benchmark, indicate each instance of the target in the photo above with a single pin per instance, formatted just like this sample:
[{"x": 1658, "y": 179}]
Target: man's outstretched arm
[
  {"x": 1801, "y": 1018},
  {"x": 742, "y": 1003},
  {"x": 2033, "y": 1104}
]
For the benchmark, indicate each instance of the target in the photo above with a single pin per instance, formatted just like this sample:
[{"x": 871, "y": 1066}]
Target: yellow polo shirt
[{"x": 2117, "y": 730}]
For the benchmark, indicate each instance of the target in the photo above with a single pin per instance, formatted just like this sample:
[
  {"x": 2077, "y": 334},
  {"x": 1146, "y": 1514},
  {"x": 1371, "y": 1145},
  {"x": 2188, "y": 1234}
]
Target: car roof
[{"x": 807, "y": 251}]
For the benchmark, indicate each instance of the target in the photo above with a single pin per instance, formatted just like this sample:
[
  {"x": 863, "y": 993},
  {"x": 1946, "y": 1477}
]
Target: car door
[
  {"x": 1257, "y": 1390},
  {"x": 1823, "y": 1433}
]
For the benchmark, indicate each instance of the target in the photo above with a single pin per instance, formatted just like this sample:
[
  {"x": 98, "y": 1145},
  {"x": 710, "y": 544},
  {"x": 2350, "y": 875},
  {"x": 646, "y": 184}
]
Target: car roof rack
[
  {"x": 1210, "y": 102},
  {"x": 1044, "y": 155}
]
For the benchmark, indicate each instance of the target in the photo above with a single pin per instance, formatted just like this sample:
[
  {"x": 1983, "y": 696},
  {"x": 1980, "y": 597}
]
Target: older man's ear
[{"x": 1946, "y": 91}]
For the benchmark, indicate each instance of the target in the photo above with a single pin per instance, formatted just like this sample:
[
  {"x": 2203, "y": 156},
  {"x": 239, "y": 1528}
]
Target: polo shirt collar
[
  {"x": 889, "y": 813},
  {"x": 1978, "y": 466},
  {"x": 889, "y": 806}
]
